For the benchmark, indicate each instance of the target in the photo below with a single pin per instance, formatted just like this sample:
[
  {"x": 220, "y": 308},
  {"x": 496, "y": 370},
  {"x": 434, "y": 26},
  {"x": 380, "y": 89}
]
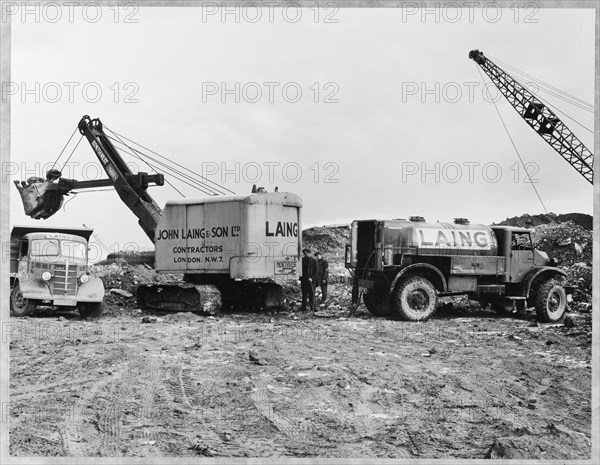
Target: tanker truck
[{"x": 400, "y": 267}]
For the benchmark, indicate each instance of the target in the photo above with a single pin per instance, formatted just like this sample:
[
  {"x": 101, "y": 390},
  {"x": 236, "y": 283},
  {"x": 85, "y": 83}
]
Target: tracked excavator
[{"x": 233, "y": 250}]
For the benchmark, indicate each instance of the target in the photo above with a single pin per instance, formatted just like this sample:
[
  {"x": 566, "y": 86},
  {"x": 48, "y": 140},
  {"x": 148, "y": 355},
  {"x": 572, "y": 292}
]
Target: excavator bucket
[{"x": 41, "y": 197}]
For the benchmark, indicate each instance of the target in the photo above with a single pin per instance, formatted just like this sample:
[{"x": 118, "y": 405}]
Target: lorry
[
  {"x": 401, "y": 267},
  {"x": 50, "y": 266},
  {"x": 231, "y": 249}
]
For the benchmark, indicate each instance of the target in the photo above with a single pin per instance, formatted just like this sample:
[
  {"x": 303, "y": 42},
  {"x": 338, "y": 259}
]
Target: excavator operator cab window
[{"x": 521, "y": 241}]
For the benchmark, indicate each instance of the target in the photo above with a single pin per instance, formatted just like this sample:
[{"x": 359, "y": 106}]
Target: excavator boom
[
  {"x": 130, "y": 187},
  {"x": 42, "y": 198}
]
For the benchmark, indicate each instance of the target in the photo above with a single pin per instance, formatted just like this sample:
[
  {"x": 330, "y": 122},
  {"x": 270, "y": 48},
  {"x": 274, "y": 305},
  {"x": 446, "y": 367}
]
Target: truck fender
[
  {"x": 31, "y": 287},
  {"x": 92, "y": 291},
  {"x": 535, "y": 273},
  {"x": 440, "y": 285}
]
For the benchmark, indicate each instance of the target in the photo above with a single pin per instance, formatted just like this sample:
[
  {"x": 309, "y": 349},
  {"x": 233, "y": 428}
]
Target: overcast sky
[{"x": 396, "y": 94}]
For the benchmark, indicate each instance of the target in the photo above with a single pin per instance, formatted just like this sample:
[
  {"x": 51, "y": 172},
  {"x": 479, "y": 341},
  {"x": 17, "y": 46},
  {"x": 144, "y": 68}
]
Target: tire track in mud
[
  {"x": 368, "y": 407},
  {"x": 147, "y": 414},
  {"x": 183, "y": 391},
  {"x": 313, "y": 398},
  {"x": 365, "y": 411},
  {"x": 110, "y": 419},
  {"x": 71, "y": 432},
  {"x": 296, "y": 429},
  {"x": 18, "y": 369},
  {"x": 36, "y": 390}
]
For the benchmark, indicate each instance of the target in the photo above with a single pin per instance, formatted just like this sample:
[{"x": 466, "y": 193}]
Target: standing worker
[
  {"x": 322, "y": 275},
  {"x": 308, "y": 279}
]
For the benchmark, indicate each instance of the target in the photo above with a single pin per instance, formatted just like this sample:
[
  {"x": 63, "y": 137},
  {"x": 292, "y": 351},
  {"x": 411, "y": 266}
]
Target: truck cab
[
  {"x": 516, "y": 245},
  {"x": 50, "y": 266}
]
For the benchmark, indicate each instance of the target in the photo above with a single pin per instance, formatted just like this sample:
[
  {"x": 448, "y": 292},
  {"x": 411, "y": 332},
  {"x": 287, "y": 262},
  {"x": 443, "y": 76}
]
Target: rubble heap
[
  {"x": 531, "y": 221},
  {"x": 121, "y": 280},
  {"x": 331, "y": 242}
]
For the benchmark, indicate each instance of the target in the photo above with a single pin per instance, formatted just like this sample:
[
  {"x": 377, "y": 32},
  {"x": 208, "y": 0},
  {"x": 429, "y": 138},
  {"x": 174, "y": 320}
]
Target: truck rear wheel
[
  {"x": 89, "y": 309},
  {"x": 19, "y": 305},
  {"x": 377, "y": 303},
  {"x": 414, "y": 298},
  {"x": 550, "y": 301}
]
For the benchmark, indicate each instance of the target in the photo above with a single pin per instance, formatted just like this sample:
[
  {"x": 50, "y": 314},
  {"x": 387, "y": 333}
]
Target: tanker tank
[{"x": 424, "y": 238}]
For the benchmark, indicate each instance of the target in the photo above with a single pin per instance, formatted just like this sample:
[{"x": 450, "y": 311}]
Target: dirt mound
[
  {"x": 530, "y": 221},
  {"x": 570, "y": 243},
  {"x": 331, "y": 242},
  {"x": 130, "y": 257},
  {"x": 121, "y": 281}
]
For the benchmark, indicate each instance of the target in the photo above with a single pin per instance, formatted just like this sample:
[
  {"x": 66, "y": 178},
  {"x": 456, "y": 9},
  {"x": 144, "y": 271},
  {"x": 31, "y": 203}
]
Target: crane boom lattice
[{"x": 541, "y": 118}]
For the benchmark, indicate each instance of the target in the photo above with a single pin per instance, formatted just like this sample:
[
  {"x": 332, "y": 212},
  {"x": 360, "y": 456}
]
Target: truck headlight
[
  {"x": 84, "y": 278},
  {"x": 46, "y": 275}
]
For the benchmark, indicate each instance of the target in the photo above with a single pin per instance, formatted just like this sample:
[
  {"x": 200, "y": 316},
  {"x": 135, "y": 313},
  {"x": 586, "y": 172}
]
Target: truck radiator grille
[{"x": 64, "y": 280}]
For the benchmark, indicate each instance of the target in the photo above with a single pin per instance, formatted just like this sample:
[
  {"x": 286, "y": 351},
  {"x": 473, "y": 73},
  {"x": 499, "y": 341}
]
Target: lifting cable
[
  {"x": 218, "y": 187},
  {"x": 181, "y": 177},
  {"x": 563, "y": 95},
  {"x": 584, "y": 105},
  {"x": 143, "y": 161},
  {"x": 72, "y": 152},
  {"x": 61, "y": 152},
  {"x": 514, "y": 145}
]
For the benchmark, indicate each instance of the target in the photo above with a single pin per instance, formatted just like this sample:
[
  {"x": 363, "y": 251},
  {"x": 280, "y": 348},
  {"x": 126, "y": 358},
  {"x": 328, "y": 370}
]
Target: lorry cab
[
  {"x": 516, "y": 245},
  {"x": 50, "y": 266}
]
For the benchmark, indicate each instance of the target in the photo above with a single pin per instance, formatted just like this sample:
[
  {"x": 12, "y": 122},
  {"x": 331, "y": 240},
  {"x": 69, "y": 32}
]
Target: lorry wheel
[
  {"x": 19, "y": 305},
  {"x": 89, "y": 309},
  {"x": 414, "y": 298},
  {"x": 377, "y": 303},
  {"x": 550, "y": 301}
]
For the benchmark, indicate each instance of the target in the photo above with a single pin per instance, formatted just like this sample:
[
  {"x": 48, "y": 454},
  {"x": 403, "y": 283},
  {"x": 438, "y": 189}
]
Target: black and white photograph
[{"x": 358, "y": 231}]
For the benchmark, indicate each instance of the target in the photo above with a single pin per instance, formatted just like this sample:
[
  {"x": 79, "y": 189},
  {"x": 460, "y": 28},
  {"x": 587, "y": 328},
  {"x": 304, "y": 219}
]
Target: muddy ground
[{"x": 466, "y": 384}]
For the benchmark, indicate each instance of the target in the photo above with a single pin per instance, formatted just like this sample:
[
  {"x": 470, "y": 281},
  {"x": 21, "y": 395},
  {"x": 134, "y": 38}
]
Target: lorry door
[
  {"x": 521, "y": 256},
  {"x": 365, "y": 244}
]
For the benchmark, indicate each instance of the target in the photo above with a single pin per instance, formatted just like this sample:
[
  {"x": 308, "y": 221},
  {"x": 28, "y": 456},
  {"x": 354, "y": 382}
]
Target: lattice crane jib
[{"x": 537, "y": 115}]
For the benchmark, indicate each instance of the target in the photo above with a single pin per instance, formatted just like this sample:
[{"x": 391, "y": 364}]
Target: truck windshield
[
  {"x": 45, "y": 248},
  {"x": 521, "y": 241},
  {"x": 55, "y": 248},
  {"x": 73, "y": 249}
]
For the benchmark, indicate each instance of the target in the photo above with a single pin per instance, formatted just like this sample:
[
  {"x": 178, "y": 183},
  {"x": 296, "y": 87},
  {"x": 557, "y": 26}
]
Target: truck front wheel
[
  {"x": 89, "y": 309},
  {"x": 19, "y": 305},
  {"x": 414, "y": 298},
  {"x": 550, "y": 301},
  {"x": 377, "y": 303}
]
